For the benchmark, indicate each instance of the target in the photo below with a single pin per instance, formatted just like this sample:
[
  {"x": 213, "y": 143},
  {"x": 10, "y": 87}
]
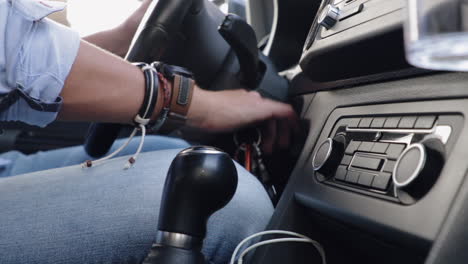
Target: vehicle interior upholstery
[{"x": 349, "y": 180}]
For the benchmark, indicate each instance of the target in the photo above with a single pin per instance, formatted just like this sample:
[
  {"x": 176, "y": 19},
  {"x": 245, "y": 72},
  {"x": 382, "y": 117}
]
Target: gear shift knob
[{"x": 200, "y": 181}]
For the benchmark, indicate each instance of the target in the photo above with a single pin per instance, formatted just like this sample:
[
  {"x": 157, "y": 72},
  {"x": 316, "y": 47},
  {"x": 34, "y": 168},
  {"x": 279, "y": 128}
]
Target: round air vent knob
[
  {"x": 328, "y": 155},
  {"x": 418, "y": 167},
  {"x": 329, "y": 16}
]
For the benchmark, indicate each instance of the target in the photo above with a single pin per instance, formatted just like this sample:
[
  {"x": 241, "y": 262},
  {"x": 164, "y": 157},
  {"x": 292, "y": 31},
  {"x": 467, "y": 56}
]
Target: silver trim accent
[
  {"x": 418, "y": 169},
  {"x": 402, "y": 140},
  {"x": 329, "y": 16},
  {"x": 443, "y": 132},
  {"x": 177, "y": 240},
  {"x": 330, "y": 142},
  {"x": 389, "y": 130},
  {"x": 202, "y": 150}
]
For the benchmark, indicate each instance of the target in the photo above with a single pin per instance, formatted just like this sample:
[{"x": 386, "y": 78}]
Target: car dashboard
[{"x": 381, "y": 176}]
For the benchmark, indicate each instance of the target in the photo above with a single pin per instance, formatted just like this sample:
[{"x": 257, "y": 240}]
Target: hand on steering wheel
[{"x": 184, "y": 33}]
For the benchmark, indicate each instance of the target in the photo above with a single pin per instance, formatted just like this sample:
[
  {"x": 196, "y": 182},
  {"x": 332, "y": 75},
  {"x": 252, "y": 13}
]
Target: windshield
[{"x": 91, "y": 16}]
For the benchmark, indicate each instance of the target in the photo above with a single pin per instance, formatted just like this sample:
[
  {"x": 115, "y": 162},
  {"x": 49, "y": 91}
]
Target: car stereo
[{"x": 395, "y": 157}]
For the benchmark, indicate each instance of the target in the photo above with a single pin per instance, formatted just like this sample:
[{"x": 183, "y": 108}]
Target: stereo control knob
[
  {"x": 418, "y": 167},
  {"x": 328, "y": 155},
  {"x": 329, "y": 16}
]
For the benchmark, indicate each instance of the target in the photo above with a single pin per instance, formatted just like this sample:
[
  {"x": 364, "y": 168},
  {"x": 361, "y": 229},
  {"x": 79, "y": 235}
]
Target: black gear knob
[{"x": 200, "y": 181}]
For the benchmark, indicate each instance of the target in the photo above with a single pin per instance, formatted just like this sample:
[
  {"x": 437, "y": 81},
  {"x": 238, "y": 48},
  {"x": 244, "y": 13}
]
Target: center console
[
  {"x": 379, "y": 173},
  {"x": 382, "y": 174}
]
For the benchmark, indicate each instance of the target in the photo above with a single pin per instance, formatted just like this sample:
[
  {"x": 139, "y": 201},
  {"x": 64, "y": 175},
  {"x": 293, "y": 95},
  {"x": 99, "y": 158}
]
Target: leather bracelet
[
  {"x": 148, "y": 88},
  {"x": 164, "y": 83},
  {"x": 167, "y": 93},
  {"x": 151, "y": 94}
]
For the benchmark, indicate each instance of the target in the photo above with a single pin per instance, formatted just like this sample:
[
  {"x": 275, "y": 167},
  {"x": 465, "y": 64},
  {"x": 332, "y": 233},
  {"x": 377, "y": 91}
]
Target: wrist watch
[{"x": 182, "y": 91}]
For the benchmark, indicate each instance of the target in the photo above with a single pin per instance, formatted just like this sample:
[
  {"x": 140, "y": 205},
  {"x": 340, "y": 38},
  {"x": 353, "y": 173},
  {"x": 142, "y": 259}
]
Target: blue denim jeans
[{"x": 106, "y": 214}]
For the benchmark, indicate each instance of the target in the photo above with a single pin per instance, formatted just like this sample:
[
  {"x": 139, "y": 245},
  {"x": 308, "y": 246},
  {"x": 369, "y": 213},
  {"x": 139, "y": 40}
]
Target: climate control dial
[
  {"x": 328, "y": 155},
  {"x": 418, "y": 167},
  {"x": 329, "y": 16}
]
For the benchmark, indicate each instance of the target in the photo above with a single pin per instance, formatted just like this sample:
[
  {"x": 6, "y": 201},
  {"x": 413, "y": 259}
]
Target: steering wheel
[{"x": 185, "y": 33}]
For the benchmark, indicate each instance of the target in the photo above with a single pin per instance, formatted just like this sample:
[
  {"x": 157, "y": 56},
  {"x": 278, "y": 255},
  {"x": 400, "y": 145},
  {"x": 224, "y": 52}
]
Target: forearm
[{"x": 101, "y": 87}]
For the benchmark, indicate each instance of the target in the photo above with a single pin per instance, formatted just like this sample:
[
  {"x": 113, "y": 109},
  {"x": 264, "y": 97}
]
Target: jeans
[{"x": 105, "y": 214}]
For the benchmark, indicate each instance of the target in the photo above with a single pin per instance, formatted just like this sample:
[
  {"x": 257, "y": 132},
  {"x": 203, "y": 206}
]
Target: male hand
[{"x": 225, "y": 111}]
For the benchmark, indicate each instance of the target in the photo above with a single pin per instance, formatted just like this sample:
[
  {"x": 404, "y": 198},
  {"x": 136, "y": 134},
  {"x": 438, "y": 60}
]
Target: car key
[
  {"x": 263, "y": 174},
  {"x": 248, "y": 157}
]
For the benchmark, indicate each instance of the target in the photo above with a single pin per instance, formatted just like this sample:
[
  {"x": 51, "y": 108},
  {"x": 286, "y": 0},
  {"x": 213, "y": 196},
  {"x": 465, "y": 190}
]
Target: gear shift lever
[{"x": 200, "y": 181}]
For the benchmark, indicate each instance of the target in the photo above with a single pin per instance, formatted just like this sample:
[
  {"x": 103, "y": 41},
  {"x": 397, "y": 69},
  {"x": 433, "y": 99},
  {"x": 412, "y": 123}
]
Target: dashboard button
[
  {"x": 346, "y": 160},
  {"x": 341, "y": 173},
  {"x": 366, "y": 146},
  {"x": 352, "y": 122},
  {"x": 381, "y": 181},
  {"x": 366, "y": 163},
  {"x": 394, "y": 150},
  {"x": 352, "y": 147},
  {"x": 392, "y": 122},
  {"x": 389, "y": 165},
  {"x": 365, "y": 122},
  {"x": 379, "y": 147},
  {"x": 378, "y": 122},
  {"x": 352, "y": 176},
  {"x": 353, "y": 11},
  {"x": 425, "y": 122},
  {"x": 407, "y": 122},
  {"x": 365, "y": 179}
]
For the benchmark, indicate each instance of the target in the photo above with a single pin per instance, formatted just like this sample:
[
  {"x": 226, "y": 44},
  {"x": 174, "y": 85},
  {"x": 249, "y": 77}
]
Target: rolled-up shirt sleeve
[{"x": 36, "y": 56}]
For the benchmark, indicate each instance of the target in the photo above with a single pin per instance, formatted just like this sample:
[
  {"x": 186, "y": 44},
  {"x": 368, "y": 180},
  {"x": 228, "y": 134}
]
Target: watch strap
[{"x": 182, "y": 93}]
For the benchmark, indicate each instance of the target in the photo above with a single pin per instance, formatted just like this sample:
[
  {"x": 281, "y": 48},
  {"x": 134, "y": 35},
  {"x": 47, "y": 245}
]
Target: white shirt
[{"x": 36, "y": 56}]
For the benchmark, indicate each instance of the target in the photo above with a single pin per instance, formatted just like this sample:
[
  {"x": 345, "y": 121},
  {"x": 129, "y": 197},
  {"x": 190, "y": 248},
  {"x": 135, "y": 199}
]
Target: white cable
[
  {"x": 84, "y": 165},
  {"x": 133, "y": 159},
  {"x": 269, "y": 232},
  {"x": 282, "y": 240}
]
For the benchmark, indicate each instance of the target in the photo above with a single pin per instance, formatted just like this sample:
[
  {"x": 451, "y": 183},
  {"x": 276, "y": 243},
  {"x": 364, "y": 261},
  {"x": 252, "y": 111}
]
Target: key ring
[{"x": 242, "y": 147}]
